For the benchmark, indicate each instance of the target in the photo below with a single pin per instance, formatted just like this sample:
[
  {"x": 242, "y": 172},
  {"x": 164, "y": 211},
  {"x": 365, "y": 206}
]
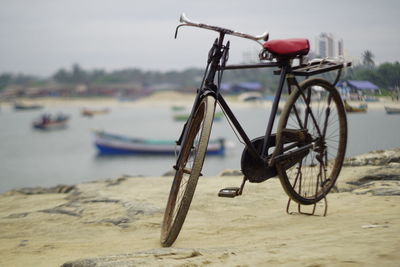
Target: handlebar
[{"x": 185, "y": 21}]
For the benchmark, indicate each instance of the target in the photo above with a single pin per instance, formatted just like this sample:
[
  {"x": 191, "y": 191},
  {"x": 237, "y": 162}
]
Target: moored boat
[
  {"x": 392, "y": 110},
  {"x": 47, "y": 122},
  {"x": 178, "y": 108},
  {"x": 91, "y": 112},
  {"x": 22, "y": 106},
  {"x": 250, "y": 97},
  {"x": 109, "y": 144},
  {"x": 184, "y": 116},
  {"x": 362, "y": 108}
]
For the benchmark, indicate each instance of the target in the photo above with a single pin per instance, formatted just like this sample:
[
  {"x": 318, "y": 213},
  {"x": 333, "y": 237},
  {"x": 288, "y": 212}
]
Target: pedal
[{"x": 229, "y": 192}]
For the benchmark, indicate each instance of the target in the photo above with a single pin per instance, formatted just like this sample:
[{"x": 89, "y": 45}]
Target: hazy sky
[{"x": 41, "y": 36}]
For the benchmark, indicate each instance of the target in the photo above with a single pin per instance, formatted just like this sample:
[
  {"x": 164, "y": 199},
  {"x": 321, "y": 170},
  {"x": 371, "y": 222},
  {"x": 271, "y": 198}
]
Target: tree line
[
  {"x": 385, "y": 76},
  {"x": 188, "y": 78}
]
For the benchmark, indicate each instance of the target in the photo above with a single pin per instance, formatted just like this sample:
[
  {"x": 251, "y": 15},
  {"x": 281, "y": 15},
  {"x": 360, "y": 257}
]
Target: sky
[{"x": 38, "y": 37}]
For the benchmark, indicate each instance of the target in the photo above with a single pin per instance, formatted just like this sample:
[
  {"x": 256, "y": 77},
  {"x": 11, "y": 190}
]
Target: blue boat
[{"x": 114, "y": 144}]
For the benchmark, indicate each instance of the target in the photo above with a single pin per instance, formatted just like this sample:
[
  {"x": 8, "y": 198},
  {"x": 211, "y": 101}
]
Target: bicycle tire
[
  {"x": 311, "y": 178},
  {"x": 185, "y": 179}
]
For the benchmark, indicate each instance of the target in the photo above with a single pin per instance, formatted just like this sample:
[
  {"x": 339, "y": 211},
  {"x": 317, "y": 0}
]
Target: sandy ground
[{"x": 117, "y": 223}]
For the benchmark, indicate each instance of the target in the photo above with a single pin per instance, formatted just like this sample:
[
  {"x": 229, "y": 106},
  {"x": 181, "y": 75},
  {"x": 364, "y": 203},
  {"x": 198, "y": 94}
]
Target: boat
[
  {"x": 250, "y": 97},
  {"x": 47, "y": 122},
  {"x": 178, "y": 108},
  {"x": 91, "y": 112},
  {"x": 115, "y": 144},
  {"x": 371, "y": 99},
  {"x": 360, "y": 109},
  {"x": 392, "y": 110},
  {"x": 22, "y": 106},
  {"x": 184, "y": 116}
]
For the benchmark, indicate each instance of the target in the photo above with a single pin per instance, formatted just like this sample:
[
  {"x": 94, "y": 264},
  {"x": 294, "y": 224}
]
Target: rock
[
  {"x": 59, "y": 210},
  {"x": 378, "y": 182},
  {"x": 395, "y": 160},
  {"x": 385, "y": 192},
  {"x": 394, "y": 165},
  {"x": 152, "y": 257},
  {"x": 121, "y": 222},
  {"x": 117, "y": 181},
  {"x": 17, "y": 215},
  {"x": 379, "y": 189},
  {"x": 90, "y": 203},
  {"x": 140, "y": 208},
  {"x": 169, "y": 173},
  {"x": 375, "y": 158},
  {"x": 59, "y": 189},
  {"x": 377, "y": 177}
]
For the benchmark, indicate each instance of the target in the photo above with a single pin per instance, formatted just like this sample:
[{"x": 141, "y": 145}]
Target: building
[
  {"x": 326, "y": 46},
  {"x": 340, "y": 48}
]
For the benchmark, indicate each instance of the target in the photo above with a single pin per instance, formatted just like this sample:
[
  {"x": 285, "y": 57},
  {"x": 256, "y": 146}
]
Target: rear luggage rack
[
  {"x": 316, "y": 67},
  {"x": 306, "y": 69},
  {"x": 319, "y": 68}
]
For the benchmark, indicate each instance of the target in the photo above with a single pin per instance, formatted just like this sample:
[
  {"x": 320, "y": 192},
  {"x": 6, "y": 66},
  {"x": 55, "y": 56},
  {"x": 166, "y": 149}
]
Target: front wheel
[
  {"x": 316, "y": 113},
  {"x": 188, "y": 168}
]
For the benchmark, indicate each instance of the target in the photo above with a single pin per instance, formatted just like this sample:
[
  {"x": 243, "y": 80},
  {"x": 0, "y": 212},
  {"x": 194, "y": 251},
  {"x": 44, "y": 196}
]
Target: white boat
[{"x": 392, "y": 110}]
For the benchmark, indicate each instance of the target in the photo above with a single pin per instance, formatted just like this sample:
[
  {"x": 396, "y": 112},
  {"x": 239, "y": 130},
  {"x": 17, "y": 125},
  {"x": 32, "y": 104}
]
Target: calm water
[{"x": 30, "y": 157}]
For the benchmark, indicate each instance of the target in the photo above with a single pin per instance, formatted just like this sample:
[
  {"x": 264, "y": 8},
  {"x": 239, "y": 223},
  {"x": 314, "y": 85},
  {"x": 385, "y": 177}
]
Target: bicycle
[{"x": 306, "y": 152}]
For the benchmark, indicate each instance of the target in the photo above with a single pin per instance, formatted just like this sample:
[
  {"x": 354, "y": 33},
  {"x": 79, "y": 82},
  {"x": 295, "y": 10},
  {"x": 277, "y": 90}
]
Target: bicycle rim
[
  {"x": 192, "y": 154},
  {"x": 315, "y": 173}
]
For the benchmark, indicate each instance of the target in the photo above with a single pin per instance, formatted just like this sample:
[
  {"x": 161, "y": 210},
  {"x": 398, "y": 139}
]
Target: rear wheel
[
  {"x": 188, "y": 168},
  {"x": 315, "y": 112}
]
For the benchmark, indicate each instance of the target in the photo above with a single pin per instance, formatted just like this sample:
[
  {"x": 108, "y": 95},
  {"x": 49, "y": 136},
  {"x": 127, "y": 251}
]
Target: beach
[
  {"x": 116, "y": 222},
  {"x": 170, "y": 98}
]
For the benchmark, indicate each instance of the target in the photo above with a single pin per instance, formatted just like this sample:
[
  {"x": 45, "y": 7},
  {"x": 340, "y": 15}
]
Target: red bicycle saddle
[{"x": 288, "y": 48}]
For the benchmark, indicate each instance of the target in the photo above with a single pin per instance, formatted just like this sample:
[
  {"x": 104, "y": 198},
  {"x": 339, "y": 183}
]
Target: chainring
[{"x": 256, "y": 170}]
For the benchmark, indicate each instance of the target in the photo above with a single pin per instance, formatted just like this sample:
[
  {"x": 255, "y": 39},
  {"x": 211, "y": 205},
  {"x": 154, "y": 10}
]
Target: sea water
[{"x": 30, "y": 157}]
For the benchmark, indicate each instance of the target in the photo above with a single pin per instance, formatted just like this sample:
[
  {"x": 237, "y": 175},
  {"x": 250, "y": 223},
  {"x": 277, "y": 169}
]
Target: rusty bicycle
[{"x": 308, "y": 148}]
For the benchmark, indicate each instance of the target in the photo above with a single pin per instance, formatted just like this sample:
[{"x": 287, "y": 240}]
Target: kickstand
[
  {"x": 242, "y": 185},
  {"x": 299, "y": 211}
]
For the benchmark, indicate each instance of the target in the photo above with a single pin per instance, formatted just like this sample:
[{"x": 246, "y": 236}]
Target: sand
[{"x": 117, "y": 223}]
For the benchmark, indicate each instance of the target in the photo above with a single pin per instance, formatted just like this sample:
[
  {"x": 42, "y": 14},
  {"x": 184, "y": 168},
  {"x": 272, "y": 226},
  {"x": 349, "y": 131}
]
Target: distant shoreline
[{"x": 165, "y": 98}]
